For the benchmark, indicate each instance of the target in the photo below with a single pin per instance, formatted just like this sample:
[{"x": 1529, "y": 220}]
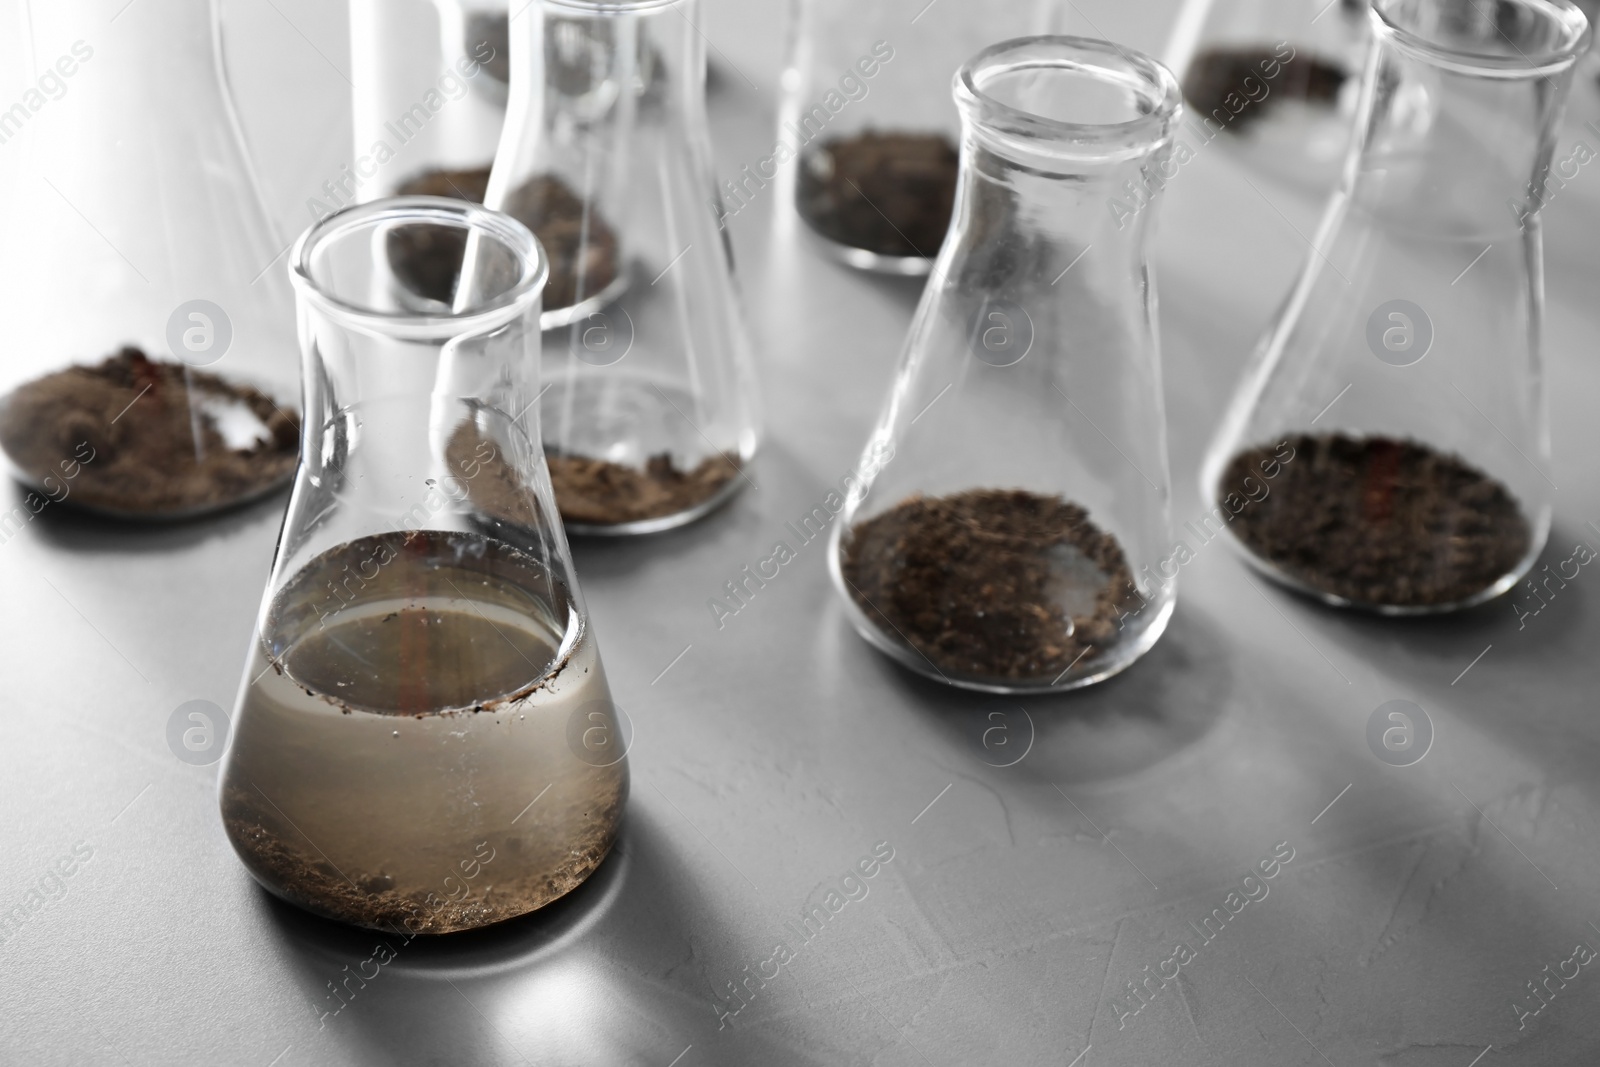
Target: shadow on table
[
  {"x": 1521, "y": 669},
  {"x": 532, "y": 984},
  {"x": 76, "y": 530},
  {"x": 1151, "y": 712}
]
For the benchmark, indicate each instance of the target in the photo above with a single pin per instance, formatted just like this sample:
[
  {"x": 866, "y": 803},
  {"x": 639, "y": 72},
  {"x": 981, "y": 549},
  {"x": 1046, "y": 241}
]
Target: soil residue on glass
[
  {"x": 166, "y": 439},
  {"x": 583, "y": 248},
  {"x": 1217, "y": 74},
  {"x": 998, "y": 584},
  {"x": 597, "y": 492},
  {"x": 888, "y": 193},
  {"x": 1379, "y": 521}
]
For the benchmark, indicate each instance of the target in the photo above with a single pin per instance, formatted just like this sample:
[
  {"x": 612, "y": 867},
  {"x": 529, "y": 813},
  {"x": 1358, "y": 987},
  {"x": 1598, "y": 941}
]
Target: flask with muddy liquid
[{"x": 424, "y": 739}]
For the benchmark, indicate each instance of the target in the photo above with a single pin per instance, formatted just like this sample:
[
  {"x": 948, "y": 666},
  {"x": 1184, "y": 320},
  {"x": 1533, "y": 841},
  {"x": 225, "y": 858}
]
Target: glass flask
[
  {"x": 150, "y": 369},
  {"x": 1388, "y": 446},
  {"x": 424, "y": 737},
  {"x": 1274, "y": 82},
  {"x": 1007, "y": 528},
  {"x": 649, "y": 414},
  {"x": 867, "y": 110},
  {"x": 431, "y": 78}
]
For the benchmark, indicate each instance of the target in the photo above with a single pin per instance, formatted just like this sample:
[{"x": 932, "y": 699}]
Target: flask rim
[
  {"x": 464, "y": 215},
  {"x": 1159, "y": 98},
  {"x": 610, "y": 8},
  {"x": 1389, "y": 26}
]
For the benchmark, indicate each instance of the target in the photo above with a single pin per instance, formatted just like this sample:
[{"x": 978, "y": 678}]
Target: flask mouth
[
  {"x": 354, "y": 267},
  {"x": 608, "y": 7},
  {"x": 1068, "y": 97},
  {"x": 1504, "y": 39}
]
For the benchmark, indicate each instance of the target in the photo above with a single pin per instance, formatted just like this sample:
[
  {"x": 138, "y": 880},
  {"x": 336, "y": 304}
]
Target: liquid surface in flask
[{"x": 402, "y": 756}]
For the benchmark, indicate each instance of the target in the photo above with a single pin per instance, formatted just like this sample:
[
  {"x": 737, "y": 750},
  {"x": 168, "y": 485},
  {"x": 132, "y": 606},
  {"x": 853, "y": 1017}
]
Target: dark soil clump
[
  {"x": 1216, "y": 73},
  {"x": 584, "y": 252},
  {"x": 991, "y": 583},
  {"x": 597, "y": 492},
  {"x": 889, "y": 193},
  {"x": 154, "y": 442},
  {"x": 1379, "y": 521}
]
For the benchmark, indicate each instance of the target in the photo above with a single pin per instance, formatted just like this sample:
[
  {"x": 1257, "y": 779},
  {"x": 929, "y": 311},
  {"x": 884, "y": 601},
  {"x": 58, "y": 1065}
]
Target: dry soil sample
[
  {"x": 1381, "y": 522},
  {"x": 167, "y": 439},
  {"x": 583, "y": 250},
  {"x": 596, "y": 492},
  {"x": 1215, "y": 74},
  {"x": 998, "y": 584},
  {"x": 889, "y": 193},
  {"x": 493, "y": 484}
]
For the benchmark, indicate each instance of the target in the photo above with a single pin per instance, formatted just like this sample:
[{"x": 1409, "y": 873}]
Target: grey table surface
[{"x": 773, "y": 754}]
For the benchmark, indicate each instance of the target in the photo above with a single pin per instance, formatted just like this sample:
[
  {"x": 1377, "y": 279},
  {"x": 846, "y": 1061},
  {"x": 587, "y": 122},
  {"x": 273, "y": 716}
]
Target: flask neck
[
  {"x": 1065, "y": 141},
  {"x": 406, "y": 396},
  {"x": 1106, "y": 203},
  {"x": 1459, "y": 113}
]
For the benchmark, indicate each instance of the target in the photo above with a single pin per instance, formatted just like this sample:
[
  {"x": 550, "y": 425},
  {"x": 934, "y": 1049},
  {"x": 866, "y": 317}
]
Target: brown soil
[
  {"x": 494, "y": 486},
  {"x": 1214, "y": 73},
  {"x": 153, "y": 434},
  {"x": 427, "y": 259},
  {"x": 976, "y": 581},
  {"x": 1382, "y": 522},
  {"x": 889, "y": 193},
  {"x": 300, "y": 874},
  {"x": 590, "y": 491},
  {"x": 601, "y": 493}
]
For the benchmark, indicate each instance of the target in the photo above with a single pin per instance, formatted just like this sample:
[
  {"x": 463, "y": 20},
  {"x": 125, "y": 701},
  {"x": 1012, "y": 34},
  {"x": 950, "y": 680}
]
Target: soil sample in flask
[
  {"x": 1274, "y": 82},
  {"x": 1007, "y": 527},
  {"x": 649, "y": 416},
  {"x": 888, "y": 194},
  {"x": 414, "y": 745},
  {"x": 1388, "y": 447},
  {"x": 150, "y": 366},
  {"x": 867, "y": 111}
]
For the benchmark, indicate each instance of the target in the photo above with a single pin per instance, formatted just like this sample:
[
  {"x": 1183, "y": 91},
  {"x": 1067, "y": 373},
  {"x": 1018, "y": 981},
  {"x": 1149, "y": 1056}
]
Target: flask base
[
  {"x": 659, "y": 523},
  {"x": 872, "y": 262},
  {"x": 1005, "y": 591},
  {"x": 1377, "y": 523},
  {"x": 1288, "y": 581},
  {"x": 1090, "y": 672}
]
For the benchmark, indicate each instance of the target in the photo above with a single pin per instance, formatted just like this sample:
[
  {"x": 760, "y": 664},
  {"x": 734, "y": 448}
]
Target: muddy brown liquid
[{"x": 423, "y": 746}]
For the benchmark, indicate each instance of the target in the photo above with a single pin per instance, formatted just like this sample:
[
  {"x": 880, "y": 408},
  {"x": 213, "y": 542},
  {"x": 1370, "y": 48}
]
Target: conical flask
[
  {"x": 150, "y": 359},
  {"x": 424, "y": 739},
  {"x": 1388, "y": 446},
  {"x": 866, "y": 110},
  {"x": 649, "y": 413},
  {"x": 1008, "y": 527},
  {"x": 1274, "y": 82}
]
